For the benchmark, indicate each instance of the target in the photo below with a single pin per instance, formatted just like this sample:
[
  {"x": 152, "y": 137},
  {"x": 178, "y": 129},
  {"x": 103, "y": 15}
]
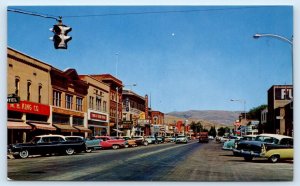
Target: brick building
[
  {"x": 69, "y": 110},
  {"x": 97, "y": 101},
  {"x": 115, "y": 103},
  {"x": 29, "y": 79},
  {"x": 135, "y": 116}
]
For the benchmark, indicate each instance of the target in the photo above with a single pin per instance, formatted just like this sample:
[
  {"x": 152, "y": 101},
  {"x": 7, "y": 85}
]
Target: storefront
[
  {"x": 98, "y": 123},
  {"x": 26, "y": 120},
  {"x": 69, "y": 122}
]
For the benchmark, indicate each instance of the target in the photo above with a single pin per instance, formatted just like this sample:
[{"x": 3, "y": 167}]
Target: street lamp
[
  {"x": 282, "y": 38},
  {"x": 256, "y": 36}
]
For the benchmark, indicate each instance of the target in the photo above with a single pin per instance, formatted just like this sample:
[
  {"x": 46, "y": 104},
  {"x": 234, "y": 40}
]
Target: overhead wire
[{"x": 127, "y": 13}]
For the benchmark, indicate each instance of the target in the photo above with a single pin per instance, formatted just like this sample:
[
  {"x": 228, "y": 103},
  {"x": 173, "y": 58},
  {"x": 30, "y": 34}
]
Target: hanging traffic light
[{"x": 60, "y": 37}]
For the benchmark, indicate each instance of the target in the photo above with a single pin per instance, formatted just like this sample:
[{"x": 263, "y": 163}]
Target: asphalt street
[{"x": 162, "y": 162}]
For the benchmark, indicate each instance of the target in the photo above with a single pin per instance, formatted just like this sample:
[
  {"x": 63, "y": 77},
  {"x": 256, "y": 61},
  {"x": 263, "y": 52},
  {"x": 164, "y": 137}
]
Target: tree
[
  {"x": 255, "y": 113},
  {"x": 212, "y": 131},
  {"x": 196, "y": 127}
]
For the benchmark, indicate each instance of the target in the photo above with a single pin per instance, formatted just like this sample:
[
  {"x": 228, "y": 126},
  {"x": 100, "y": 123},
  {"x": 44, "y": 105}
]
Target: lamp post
[
  {"x": 117, "y": 60},
  {"x": 282, "y": 38}
]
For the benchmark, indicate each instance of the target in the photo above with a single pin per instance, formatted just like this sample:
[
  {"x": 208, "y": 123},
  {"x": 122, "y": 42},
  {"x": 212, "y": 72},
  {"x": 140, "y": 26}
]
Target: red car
[{"x": 111, "y": 142}]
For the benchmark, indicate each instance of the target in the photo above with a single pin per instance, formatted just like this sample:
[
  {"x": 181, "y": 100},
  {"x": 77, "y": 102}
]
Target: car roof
[
  {"x": 278, "y": 136},
  {"x": 50, "y": 135}
]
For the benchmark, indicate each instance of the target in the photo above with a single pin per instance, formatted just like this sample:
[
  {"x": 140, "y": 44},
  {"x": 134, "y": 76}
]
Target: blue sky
[{"x": 194, "y": 60}]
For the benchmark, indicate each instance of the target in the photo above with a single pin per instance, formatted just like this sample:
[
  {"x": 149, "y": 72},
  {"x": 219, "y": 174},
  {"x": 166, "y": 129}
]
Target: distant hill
[{"x": 208, "y": 118}]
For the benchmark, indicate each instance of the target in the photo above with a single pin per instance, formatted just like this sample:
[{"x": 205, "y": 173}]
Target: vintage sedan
[
  {"x": 232, "y": 143},
  {"x": 269, "y": 146},
  {"x": 181, "y": 139},
  {"x": 90, "y": 144},
  {"x": 140, "y": 140},
  {"x": 46, "y": 144},
  {"x": 108, "y": 142}
]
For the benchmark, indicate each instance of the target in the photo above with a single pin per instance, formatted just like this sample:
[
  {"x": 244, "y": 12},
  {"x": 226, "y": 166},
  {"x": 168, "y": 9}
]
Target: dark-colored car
[
  {"x": 269, "y": 146},
  {"x": 46, "y": 144},
  {"x": 90, "y": 144}
]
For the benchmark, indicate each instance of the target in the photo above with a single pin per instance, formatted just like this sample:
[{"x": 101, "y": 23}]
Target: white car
[{"x": 181, "y": 139}]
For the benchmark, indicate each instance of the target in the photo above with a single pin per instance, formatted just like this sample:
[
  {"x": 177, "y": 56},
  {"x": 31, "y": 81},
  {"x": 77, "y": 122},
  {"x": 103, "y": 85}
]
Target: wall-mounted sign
[
  {"x": 29, "y": 107},
  {"x": 283, "y": 93},
  {"x": 13, "y": 98}
]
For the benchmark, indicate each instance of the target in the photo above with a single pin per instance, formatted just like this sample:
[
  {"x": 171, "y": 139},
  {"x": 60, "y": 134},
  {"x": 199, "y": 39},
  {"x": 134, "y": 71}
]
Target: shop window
[
  {"x": 77, "y": 121},
  {"x": 60, "y": 119}
]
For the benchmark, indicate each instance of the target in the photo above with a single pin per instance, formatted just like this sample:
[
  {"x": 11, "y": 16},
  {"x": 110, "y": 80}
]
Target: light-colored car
[
  {"x": 232, "y": 143},
  {"x": 181, "y": 139},
  {"x": 91, "y": 144},
  {"x": 269, "y": 146}
]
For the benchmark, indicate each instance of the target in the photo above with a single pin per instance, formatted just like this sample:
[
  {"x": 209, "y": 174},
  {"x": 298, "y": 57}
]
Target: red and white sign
[
  {"x": 29, "y": 107},
  {"x": 94, "y": 115}
]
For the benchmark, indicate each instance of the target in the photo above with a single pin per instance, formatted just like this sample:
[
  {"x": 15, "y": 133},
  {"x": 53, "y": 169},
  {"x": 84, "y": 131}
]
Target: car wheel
[
  {"x": 69, "y": 151},
  {"x": 88, "y": 150},
  {"x": 248, "y": 158},
  {"x": 146, "y": 143},
  {"x": 116, "y": 147},
  {"x": 274, "y": 158},
  {"x": 126, "y": 146},
  {"x": 24, "y": 154}
]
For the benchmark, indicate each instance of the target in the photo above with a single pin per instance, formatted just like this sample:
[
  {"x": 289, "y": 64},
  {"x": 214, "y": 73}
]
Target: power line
[
  {"x": 128, "y": 13},
  {"x": 157, "y": 12},
  {"x": 57, "y": 18}
]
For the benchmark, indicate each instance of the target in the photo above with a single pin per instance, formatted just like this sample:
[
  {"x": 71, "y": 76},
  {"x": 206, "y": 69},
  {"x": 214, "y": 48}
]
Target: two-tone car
[
  {"x": 46, "y": 144},
  {"x": 181, "y": 139},
  {"x": 273, "y": 147}
]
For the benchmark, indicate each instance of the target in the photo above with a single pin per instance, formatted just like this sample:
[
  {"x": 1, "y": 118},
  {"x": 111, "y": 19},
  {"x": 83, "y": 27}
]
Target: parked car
[
  {"x": 203, "y": 137},
  {"x": 140, "y": 140},
  {"x": 181, "y": 139},
  {"x": 46, "y": 144},
  {"x": 111, "y": 142},
  {"x": 169, "y": 139},
  {"x": 153, "y": 140},
  {"x": 232, "y": 143},
  {"x": 90, "y": 144},
  {"x": 269, "y": 146},
  {"x": 129, "y": 141}
]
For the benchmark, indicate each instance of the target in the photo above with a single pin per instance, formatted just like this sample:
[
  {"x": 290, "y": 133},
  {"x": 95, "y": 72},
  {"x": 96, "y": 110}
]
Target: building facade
[
  {"x": 97, "y": 102},
  {"x": 68, "y": 105},
  {"x": 280, "y": 110},
  {"x": 29, "y": 79},
  {"x": 115, "y": 103},
  {"x": 134, "y": 116}
]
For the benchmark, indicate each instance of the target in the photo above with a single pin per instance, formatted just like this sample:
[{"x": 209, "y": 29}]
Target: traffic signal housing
[{"x": 60, "y": 37}]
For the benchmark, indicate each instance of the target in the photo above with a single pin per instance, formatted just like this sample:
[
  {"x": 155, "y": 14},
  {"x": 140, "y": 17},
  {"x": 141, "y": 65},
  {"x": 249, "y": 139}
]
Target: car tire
[
  {"x": 88, "y": 150},
  {"x": 146, "y": 143},
  {"x": 126, "y": 146},
  {"x": 24, "y": 154},
  {"x": 248, "y": 158},
  {"x": 274, "y": 158},
  {"x": 115, "y": 147},
  {"x": 69, "y": 151}
]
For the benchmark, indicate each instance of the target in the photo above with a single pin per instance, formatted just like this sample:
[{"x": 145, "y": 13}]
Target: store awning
[
  {"x": 42, "y": 126},
  {"x": 65, "y": 128},
  {"x": 18, "y": 125},
  {"x": 83, "y": 129}
]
